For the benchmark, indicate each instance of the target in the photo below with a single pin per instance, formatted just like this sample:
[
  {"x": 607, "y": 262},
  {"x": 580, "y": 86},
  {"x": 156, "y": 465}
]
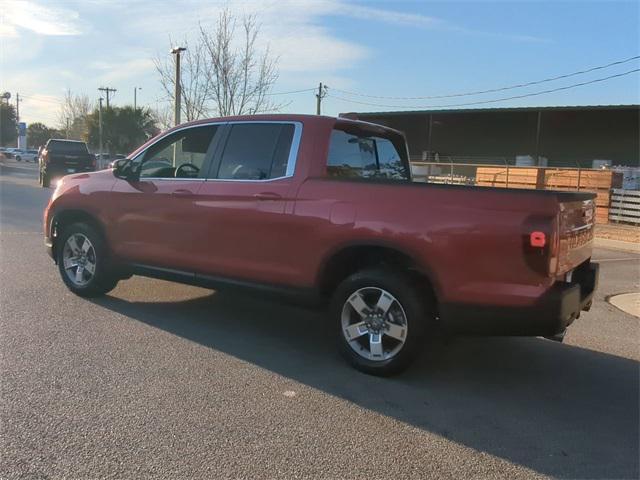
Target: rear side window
[
  {"x": 68, "y": 147},
  {"x": 357, "y": 155},
  {"x": 256, "y": 151}
]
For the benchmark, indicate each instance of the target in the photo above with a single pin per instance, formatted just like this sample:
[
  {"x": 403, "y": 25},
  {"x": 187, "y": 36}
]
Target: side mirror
[{"x": 122, "y": 168}]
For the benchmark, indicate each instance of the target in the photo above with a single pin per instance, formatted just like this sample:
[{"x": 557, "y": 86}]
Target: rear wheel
[
  {"x": 382, "y": 319},
  {"x": 45, "y": 181},
  {"x": 18, "y": 158},
  {"x": 82, "y": 261}
]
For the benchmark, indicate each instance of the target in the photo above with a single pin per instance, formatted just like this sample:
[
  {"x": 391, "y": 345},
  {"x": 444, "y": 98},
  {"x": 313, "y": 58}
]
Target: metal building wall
[{"x": 565, "y": 136}]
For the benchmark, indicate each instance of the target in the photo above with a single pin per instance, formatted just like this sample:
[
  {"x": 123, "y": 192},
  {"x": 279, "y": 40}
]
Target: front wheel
[
  {"x": 382, "y": 318},
  {"x": 18, "y": 159},
  {"x": 82, "y": 261}
]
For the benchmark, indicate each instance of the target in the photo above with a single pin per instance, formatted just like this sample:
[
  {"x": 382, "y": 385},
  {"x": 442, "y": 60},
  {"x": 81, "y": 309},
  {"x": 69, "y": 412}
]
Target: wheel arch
[
  {"x": 346, "y": 259},
  {"x": 68, "y": 217}
]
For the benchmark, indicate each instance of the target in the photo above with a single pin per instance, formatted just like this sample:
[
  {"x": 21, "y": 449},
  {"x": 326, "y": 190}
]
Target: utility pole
[
  {"x": 107, "y": 91},
  {"x": 178, "y": 90},
  {"x": 135, "y": 97},
  {"x": 100, "y": 130},
  {"x": 322, "y": 92},
  {"x": 18, "y": 143},
  {"x": 67, "y": 127}
]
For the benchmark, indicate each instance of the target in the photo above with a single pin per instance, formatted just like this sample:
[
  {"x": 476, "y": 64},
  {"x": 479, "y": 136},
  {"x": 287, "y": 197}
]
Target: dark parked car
[
  {"x": 62, "y": 157},
  {"x": 324, "y": 209}
]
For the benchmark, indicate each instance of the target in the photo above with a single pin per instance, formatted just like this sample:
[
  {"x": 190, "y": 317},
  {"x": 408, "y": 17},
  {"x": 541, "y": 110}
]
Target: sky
[{"x": 376, "y": 48}]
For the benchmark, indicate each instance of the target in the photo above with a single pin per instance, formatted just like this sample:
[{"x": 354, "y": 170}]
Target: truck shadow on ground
[{"x": 557, "y": 409}]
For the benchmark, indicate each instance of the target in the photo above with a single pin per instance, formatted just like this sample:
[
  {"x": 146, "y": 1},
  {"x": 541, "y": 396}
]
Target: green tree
[
  {"x": 8, "y": 132},
  {"x": 123, "y": 128},
  {"x": 38, "y": 134}
]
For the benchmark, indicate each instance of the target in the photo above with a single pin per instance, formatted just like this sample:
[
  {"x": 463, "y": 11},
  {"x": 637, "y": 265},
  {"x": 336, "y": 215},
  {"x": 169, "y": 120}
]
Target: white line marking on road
[{"x": 598, "y": 260}]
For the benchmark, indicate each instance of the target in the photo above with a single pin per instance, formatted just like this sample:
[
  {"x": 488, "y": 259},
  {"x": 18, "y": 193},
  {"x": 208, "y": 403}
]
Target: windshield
[{"x": 68, "y": 147}]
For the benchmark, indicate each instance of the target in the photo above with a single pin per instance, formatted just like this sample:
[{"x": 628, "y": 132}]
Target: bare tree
[
  {"x": 72, "y": 118},
  {"x": 224, "y": 73},
  {"x": 194, "y": 80},
  {"x": 163, "y": 115},
  {"x": 240, "y": 75}
]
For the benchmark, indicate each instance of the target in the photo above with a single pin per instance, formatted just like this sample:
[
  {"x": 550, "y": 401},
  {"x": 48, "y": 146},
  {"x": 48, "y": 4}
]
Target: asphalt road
[{"x": 159, "y": 380}]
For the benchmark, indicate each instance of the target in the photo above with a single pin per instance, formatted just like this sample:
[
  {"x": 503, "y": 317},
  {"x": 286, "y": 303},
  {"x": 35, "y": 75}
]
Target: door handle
[
  {"x": 181, "y": 192},
  {"x": 267, "y": 196}
]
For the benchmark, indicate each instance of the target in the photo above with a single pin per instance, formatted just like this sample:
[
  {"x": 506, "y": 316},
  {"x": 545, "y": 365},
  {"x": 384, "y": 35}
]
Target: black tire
[
  {"x": 415, "y": 303},
  {"x": 45, "y": 181},
  {"x": 18, "y": 158},
  {"x": 102, "y": 281}
]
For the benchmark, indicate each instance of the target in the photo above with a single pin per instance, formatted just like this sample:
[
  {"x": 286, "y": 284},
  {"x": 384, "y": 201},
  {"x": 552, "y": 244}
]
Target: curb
[
  {"x": 630, "y": 247},
  {"x": 627, "y": 302}
]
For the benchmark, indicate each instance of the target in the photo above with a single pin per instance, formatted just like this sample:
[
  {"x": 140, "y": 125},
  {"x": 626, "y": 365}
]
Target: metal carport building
[{"x": 566, "y": 135}]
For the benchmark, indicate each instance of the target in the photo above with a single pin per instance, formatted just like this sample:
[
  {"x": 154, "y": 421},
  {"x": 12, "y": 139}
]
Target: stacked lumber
[
  {"x": 585, "y": 180},
  {"x": 520, "y": 177},
  {"x": 599, "y": 182}
]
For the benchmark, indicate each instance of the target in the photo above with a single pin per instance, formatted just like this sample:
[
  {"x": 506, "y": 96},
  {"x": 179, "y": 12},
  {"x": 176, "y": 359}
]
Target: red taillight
[{"x": 537, "y": 239}]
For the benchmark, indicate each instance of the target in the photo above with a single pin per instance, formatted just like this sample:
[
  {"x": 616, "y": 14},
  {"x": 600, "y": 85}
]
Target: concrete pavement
[{"x": 159, "y": 380}]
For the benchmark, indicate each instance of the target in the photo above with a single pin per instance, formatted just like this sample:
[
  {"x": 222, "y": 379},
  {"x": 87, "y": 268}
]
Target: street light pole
[
  {"x": 135, "y": 97},
  {"x": 100, "y": 130},
  {"x": 178, "y": 92}
]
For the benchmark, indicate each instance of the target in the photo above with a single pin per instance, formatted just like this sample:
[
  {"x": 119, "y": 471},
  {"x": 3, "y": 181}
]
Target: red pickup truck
[{"x": 324, "y": 209}]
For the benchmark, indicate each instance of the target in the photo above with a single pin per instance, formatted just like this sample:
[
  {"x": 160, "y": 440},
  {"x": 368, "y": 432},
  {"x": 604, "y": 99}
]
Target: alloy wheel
[
  {"x": 79, "y": 259},
  {"x": 374, "y": 324}
]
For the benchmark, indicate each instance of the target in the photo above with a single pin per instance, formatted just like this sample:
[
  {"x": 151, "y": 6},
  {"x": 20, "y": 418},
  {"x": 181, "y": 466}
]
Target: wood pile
[{"x": 571, "y": 179}]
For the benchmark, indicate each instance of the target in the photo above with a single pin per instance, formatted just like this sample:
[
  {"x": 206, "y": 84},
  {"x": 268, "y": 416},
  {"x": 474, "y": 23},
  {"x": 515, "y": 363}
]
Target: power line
[
  {"x": 493, "y": 90},
  {"x": 293, "y": 91},
  {"x": 108, "y": 91},
  {"x": 420, "y": 107}
]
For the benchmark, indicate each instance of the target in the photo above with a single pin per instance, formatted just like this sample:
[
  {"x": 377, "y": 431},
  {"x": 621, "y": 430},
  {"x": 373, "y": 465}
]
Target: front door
[{"x": 156, "y": 216}]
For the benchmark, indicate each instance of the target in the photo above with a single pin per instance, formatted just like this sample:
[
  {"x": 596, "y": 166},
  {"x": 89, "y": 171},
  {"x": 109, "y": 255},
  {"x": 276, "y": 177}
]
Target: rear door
[
  {"x": 157, "y": 219},
  {"x": 243, "y": 203}
]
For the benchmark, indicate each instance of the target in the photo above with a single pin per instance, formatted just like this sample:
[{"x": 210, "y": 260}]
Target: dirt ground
[{"x": 618, "y": 231}]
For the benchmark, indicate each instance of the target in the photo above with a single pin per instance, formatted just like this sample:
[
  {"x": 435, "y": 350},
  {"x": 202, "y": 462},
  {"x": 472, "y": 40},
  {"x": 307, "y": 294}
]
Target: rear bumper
[
  {"x": 62, "y": 170},
  {"x": 551, "y": 314}
]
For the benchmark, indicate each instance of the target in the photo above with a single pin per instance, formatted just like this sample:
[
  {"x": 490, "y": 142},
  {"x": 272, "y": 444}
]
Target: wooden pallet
[{"x": 625, "y": 206}]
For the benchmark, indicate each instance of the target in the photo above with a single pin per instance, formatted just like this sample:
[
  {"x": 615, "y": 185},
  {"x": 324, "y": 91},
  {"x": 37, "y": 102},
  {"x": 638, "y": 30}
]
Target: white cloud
[
  {"x": 38, "y": 18},
  {"x": 112, "y": 71},
  {"x": 386, "y": 16}
]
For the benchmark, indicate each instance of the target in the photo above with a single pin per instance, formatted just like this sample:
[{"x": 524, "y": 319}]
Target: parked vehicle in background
[
  {"x": 9, "y": 152},
  {"x": 26, "y": 155},
  {"x": 325, "y": 209},
  {"x": 62, "y": 157}
]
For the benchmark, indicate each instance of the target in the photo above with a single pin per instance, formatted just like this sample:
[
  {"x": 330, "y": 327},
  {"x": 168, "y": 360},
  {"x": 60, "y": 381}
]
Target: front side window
[
  {"x": 256, "y": 151},
  {"x": 357, "y": 155},
  {"x": 180, "y": 154}
]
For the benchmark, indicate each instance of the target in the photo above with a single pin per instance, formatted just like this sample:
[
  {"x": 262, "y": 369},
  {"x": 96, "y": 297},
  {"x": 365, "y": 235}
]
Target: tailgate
[
  {"x": 576, "y": 223},
  {"x": 71, "y": 160}
]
